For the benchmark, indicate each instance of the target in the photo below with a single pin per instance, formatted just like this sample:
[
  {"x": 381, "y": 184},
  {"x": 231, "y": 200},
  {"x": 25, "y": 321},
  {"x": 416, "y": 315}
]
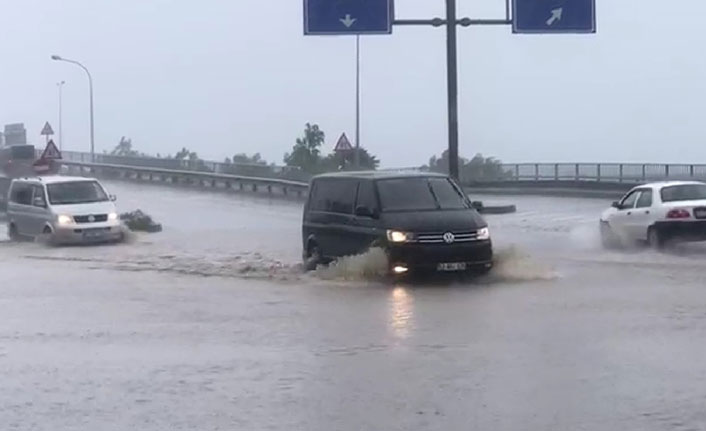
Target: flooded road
[{"x": 211, "y": 324}]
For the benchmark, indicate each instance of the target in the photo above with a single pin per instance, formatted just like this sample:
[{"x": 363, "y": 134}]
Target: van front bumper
[
  {"x": 88, "y": 233},
  {"x": 475, "y": 255}
]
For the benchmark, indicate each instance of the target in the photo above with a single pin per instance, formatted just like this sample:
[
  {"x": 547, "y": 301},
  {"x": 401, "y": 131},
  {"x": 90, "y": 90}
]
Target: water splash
[
  {"x": 515, "y": 265},
  {"x": 371, "y": 265}
]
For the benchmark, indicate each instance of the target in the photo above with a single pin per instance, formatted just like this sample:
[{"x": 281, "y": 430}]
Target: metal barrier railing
[{"x": 599, "y": 172}]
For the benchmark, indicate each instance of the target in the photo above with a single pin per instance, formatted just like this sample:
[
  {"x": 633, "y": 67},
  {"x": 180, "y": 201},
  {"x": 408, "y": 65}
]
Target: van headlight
[
  {"x": 483, "y": 234},
  {"x": 112, "y": 216},
  {"x": 64, "y": 219},
  {"x": 399, "y": 236}
]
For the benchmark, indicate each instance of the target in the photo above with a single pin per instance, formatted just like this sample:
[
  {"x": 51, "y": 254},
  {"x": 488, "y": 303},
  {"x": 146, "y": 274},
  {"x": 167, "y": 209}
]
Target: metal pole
[
  {"x": 61, "y": 136},
  {"x": 90, "y": 94},
  {"x": 90, "y": 89},
  {"x": 357, "y": 101},
  {"x": 452, "y": 78}
]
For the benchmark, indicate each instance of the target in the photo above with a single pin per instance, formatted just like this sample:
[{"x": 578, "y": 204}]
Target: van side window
[
  {"x": 21, "y": 194},
  {"x": 366, "y": 196},
  {"x": 336, "y": 196},
  {"x": 38, "y": 193}
]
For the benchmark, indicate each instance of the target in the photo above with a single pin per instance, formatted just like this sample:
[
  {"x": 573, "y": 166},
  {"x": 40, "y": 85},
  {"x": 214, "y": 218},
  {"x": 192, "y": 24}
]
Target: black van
[{"x": 423, "y": 221}]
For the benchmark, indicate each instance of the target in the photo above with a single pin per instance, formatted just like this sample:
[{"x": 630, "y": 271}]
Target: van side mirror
[
  {"x": 477, "y": 205},
  {"x": 113, "y": 198},
  {"x": 363, "y": 211},
  {"x": 616, "y": 204},
  {"x": 39, "y": 202}
]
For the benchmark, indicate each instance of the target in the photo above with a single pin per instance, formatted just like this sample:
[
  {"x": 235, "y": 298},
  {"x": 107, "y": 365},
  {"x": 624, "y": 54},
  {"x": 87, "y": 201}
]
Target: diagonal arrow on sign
[{"x": 556, "y": 16}]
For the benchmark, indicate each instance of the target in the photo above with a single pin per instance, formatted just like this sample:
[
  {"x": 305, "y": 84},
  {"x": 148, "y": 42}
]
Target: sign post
[{"x": 356, "y": 17}]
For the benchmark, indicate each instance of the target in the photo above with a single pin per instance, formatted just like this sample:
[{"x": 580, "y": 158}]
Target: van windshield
[
  {"x": 79, "y": 192},
  {"x": 419, "y": 194}
]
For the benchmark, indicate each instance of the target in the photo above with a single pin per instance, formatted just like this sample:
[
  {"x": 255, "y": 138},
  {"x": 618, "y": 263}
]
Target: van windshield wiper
[{"x": 436, "y": 198}]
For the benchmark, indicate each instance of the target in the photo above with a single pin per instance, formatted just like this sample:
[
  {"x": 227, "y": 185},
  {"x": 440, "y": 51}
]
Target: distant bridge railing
[
  {"x": 594, "y": 172},
  {"x": 600, "y": 172}
]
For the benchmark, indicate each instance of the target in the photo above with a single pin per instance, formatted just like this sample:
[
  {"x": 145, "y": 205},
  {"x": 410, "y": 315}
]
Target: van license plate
[
  {"x": 456, "y": 266},
  {"x": 92, "y": 234},
  {"x": 700, "y": 212}
]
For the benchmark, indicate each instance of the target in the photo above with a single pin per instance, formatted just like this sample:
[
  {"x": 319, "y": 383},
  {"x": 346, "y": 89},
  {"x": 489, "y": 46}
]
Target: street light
[
  {"x": 61, "y": 138},
  {"x": 90, "y": 90}
]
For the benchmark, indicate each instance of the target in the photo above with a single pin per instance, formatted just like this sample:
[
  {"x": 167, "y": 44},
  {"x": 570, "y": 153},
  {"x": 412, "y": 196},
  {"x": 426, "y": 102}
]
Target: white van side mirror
[
  {"x": 39, "y": 202},
  {"x": 113, "y": 198}
]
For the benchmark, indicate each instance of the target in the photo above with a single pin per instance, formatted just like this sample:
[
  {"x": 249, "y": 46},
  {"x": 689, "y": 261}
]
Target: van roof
[
  {"x": 376, "y": 175},
  {"x": 54, "y": 179}
]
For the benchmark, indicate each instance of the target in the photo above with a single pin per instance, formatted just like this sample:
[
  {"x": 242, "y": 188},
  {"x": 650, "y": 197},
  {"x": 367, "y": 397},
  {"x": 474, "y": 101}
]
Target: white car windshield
[
  {"x": 686, "y": 192},
  {"x": 78, "y": 192}
]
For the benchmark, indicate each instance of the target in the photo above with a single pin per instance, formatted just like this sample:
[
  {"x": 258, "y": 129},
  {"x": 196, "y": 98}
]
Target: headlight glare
[
  {"x": 65, "y": 219},
  {"x": 483, "y": 234},
  {"x": 398, "y": 236},
  {"x": 113, "y": 216}
]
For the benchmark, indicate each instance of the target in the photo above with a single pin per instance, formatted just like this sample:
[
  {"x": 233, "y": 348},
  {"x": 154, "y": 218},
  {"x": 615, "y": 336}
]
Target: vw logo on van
[
  {"x": 91, "y": 218},
  {"x": 449, "y": 238}
]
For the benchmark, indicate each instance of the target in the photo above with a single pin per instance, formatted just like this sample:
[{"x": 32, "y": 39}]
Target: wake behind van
[{"x": 424, "y": 221}]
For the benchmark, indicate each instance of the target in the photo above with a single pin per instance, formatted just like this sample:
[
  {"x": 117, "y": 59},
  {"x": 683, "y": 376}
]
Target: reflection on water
[{"x": 401, "y": 311}]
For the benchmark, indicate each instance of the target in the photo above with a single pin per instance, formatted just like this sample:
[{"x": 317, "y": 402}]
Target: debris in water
[{"x": 139, "y": 221}]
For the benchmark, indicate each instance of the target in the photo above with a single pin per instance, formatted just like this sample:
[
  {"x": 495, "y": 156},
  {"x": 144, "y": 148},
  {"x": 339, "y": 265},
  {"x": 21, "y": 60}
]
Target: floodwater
[{"x": 211, "y": 324}]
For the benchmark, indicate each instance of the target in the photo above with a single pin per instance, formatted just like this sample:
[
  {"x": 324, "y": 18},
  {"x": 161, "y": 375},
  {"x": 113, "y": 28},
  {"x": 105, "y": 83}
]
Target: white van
[{"x": 66, "y": 209}]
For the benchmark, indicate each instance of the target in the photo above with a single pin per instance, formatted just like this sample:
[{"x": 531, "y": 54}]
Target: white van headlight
[
  {"x": 399, "y": 236},
  {"x": 112, "y": 216},
  {"x": 64, "y": 219},
  {"x": 483, "y": 234}
]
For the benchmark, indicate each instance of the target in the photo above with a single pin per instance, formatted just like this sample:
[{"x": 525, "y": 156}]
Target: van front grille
[
  {"x": 438, "y": 238},
  {"x": 87, "y": 218}
]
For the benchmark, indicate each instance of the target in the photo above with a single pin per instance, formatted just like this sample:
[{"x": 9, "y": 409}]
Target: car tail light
[{"x": 678, "y": 213}]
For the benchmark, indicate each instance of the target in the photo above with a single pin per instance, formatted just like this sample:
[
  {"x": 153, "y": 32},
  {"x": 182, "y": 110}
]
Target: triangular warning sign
[
  {"x": 47, "y": 130},
  {"x": 343, "y": 144},
  {"x": 51, "y": 152}
]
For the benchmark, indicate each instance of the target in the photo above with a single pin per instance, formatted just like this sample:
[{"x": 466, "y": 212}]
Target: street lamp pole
[
  {"x": 90, "y": 91},
  {"x": 61, "y": 136}
]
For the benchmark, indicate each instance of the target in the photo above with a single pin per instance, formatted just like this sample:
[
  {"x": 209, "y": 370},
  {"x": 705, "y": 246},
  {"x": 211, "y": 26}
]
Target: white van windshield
[{"x": 79, "y": 192}]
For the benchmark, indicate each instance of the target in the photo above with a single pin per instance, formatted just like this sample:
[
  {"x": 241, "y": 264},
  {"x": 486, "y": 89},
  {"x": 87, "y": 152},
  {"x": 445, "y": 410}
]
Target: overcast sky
[{"x": 229, "y": 76}]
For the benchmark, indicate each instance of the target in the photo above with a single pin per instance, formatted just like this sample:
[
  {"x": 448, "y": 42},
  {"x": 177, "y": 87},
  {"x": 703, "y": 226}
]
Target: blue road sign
[
  {"x": 335, "y": 17},
  {"x": 554, "y": 16}
]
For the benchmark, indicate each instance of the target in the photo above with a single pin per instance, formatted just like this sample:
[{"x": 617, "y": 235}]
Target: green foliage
[
  {"x": 124, "y": 149},
  {"x": 346, "y": 161},
  {"x": 479, "y": 168},
  {"x": 306, "y": 153}
]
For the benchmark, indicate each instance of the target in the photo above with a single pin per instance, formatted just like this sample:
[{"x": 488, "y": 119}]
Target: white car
[
  {"x": 66, "y": 209},
  {"x": 657, "y": 213}
]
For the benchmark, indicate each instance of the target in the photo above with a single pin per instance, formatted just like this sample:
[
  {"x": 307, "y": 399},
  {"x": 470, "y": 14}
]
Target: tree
[
  {"x": 255, "y": 159},
  {"x": 306, "y": 153},
  {"x": 124, "y": 148},
  {"x": 478, "y": 168},
  {"x": 346, "y": 161}
]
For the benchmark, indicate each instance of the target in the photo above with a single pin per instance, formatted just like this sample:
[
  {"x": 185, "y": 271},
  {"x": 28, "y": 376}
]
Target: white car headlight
[
  {"x": 112, "y": 216},
  {"x": 65, "y": 219},
  {"x": 483, "y": 234},
  {"x": 399, "y": 236}
]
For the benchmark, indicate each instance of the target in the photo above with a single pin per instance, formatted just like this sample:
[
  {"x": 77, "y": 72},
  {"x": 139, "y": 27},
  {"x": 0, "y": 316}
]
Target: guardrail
[
  {"x": 601, "y": 172},
  {"x": 598, "y": 172},
  {"x": 188, "y": 177}
]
